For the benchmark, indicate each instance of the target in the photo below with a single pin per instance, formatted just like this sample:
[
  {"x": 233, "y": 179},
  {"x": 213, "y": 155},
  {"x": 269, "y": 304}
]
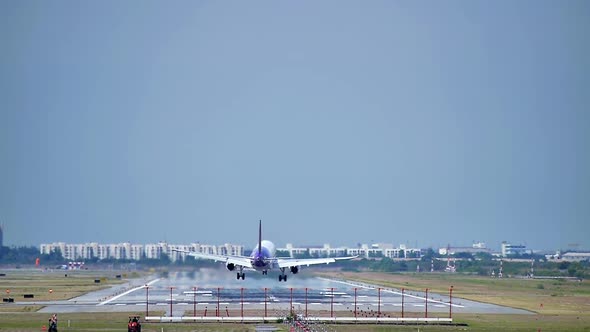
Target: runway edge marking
[
  {"x": 373, "y": 287},
  {"x": 128, "y": 292}
]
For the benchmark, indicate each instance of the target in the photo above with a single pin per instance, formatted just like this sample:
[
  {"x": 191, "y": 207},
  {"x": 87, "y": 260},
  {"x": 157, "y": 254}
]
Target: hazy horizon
[
  {"x": 333, "y": 122},
  {"x": 249, "y": 242}
]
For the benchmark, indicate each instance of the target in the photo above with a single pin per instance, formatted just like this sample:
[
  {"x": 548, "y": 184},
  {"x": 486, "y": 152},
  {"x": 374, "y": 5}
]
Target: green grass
[
  {"x": 118, "y": 322},
  {"x": 103, "y": 322},
  {"x": 565, "y": 304},
  {"x": 555, "y": 297},
  {"x": 479, "y": 322},
  {"x": 53, "y": 285}
]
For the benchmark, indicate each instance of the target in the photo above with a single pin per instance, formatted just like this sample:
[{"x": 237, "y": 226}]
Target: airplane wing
[
  {"x": 237, "y": 260},
  {"x": 289, "y": 262}
]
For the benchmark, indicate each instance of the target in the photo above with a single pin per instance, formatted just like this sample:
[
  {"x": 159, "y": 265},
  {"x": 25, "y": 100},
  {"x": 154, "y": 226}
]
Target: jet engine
[
  {"x": 231, "y": 266},
  {"x": 294, "y": 269}
]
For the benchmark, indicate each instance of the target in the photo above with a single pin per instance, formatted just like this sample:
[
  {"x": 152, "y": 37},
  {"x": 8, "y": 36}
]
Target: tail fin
[{"x": 260, "y": 236}]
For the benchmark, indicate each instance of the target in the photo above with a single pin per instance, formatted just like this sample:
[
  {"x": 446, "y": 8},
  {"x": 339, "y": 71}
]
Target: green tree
[
  {"x": 484, "y": 256},
  {"x": 19, "y": 255},
  {"x": 375, "y": 254},
  {"x": 428, "y": 254},
  {"x": 283, "y": 253},
  {"x": 463, "y": 255},
  {"x": 403, "y": 266}
]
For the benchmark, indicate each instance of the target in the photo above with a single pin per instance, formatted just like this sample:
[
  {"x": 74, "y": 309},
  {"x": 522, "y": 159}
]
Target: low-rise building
[
  {"x": 363, "y": 250},
  {"x": 475, "y": 248},
  {"x": 573, "y": 256},
  {"x": 131, "y": 251},
  {"x": 294, "y": 251},
  {"x": 509, "y": 249},
  {"x": 134, "y": 251}
]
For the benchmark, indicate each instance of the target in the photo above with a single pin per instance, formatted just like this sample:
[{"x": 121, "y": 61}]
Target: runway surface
[{"x": 217, "y": 288}]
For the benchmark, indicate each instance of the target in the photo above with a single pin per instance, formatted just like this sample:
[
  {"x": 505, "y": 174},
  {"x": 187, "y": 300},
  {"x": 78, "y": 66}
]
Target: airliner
[{"x": 263, "y": 259}]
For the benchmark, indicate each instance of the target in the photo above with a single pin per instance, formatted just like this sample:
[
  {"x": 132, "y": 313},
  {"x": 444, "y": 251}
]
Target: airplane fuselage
[{"x": 261, "y": 258}]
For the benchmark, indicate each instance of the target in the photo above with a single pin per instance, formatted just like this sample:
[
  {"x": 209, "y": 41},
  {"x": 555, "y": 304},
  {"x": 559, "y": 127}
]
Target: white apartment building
[
  {"x": 135, "y": 251},
  {"x": 155, "y": 251},
  {"x": 231, "y": 249},
  {"x": 130, "y": 251},
  {"x": 375, "y": 250},
  {"x": 513, "y": 249},
  {"x": 294, "y": 251},
  {"x": 102, "y": 251},
  {"x": 208, "y": 249},
  {"x": 47, "y": 249},
  {"x": 175, "y": 255},
  {"x": 361, "y": 252},
  {"x": 570, "y": 256}
]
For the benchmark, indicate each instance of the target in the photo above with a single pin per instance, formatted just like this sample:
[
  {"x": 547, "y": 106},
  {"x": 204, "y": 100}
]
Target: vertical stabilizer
[{"x": 260, "y": 236}]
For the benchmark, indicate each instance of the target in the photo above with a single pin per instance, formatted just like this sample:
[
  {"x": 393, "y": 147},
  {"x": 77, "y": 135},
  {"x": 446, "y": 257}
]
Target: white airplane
[{"x": 263, "y": 259}]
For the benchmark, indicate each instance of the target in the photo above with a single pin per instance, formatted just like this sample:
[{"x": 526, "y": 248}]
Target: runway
[{"x": 218, "y": 289}]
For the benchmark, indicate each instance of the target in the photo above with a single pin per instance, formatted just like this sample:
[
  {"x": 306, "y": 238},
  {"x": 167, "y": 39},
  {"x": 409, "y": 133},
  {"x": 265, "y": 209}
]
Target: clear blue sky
[{"x": 425, "y": 122}]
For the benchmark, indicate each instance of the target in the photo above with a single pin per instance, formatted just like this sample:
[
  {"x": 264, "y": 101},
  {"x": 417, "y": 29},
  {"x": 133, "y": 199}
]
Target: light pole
[
  {"x": 171, "y": 314},
  {"x": 291, "y": 303},
  {"x": 217, "y": 312},
  {"x": 242, "y": 302},
  {"x": 306, "y": 302},
  {"x": 265, "y": 289},
  {"x": 379, "y": 302},
  {"x": 355, "y": 302},
  {"x": 194, "y": 301},
  {"x": 147, "y": 302},
  {"x": 426, "y": 298},
  {"x": 332, "y": 302},
  {"x": 403, "y": 302},
  {"x": 451, "y": 302}
]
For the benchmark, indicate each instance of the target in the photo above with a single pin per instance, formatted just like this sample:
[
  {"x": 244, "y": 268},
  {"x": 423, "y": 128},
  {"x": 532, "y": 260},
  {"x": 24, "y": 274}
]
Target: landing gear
[
  {"x": 241, "y": 274},
  {"x": 282, "y": 276},
  {"x": 265, "y": 272}
]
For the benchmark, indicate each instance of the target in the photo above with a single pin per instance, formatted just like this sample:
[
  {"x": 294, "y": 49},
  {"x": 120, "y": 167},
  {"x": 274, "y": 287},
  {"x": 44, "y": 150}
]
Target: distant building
[
  {"x": 155, "y": 251},
  {"x": 513, "y": 249},
  {"x": 175, "y": 255},
  {"x": 102, "y": 251},
  {"x": 135, "y": 251},
  {"x": 129, "y": 251},
  {"x": 479, "y": 245},
  {"x": 364, "y": 250},
  {"x": 475, "y": 248},
  {"x": 1, "y": 237},
  {"x": 293, "y": 251},
  {"x": 231, "y": 249},
  {"x": 574, "y": 256},
  {"x": 402, "y": 252}
]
